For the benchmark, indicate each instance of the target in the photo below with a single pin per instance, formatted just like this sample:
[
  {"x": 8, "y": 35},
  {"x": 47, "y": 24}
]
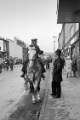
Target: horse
[{"x": 33, "y": 75}]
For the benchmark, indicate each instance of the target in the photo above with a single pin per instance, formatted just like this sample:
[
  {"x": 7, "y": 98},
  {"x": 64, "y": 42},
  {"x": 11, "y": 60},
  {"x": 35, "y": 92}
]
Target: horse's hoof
[
  {"x": 34, "y": 101},
  {"x": 38, "y": 99}
]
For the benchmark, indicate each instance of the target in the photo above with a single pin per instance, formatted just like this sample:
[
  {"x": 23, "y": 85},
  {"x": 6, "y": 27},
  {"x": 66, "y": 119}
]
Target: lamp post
[{"x": 54, "y": 41}]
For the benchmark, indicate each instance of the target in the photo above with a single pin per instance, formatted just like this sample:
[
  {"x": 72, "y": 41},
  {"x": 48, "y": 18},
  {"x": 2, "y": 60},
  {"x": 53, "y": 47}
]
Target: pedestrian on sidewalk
[
  {"x": 58, "y": 65},
  {"x": 1, "y": 65},
  {"x": 74, "y": 67},
  {"x": 68, "y": 67}
]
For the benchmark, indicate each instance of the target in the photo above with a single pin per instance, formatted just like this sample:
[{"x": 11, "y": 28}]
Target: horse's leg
[
  {"x": 38, "y": 90},
  {"x": 33, "y": 93},
  {"x": 31, "y": 88},
  {"x": 33, "y": 98},
  {"x": 38, "y": 96},
  {"x": 38, "y": 87}
]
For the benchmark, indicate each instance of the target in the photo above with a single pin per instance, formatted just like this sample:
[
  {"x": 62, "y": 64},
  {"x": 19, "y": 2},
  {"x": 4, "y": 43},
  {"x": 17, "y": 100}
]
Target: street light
[{"x": 54, "y": 41}]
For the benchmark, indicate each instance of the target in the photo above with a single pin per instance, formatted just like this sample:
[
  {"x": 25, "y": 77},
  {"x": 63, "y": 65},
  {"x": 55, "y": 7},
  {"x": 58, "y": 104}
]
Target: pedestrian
[
  {"x": 7, "y": 63},
  {"x": 58, "y": 65},
  {"x": 74, "y": 67},
  {"x": 0, "y": 65},
  {"x": 68, "y": 67},
  {"x": 11, "y": 63}
]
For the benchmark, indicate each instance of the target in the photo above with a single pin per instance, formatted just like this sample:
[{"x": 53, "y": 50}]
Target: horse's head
[
  {"x": 34, "y": 70},
  {"x": 32, "y": 55}
]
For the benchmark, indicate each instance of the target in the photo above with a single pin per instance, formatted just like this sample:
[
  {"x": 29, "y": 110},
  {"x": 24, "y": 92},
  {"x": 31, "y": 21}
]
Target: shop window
[
  {"x": 75, "y": 50},
  {"x": 77, "y": 27}
]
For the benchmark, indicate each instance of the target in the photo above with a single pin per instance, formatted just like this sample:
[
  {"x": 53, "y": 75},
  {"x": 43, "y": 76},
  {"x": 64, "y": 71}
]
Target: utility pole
[{"x": 54, "y": 45}]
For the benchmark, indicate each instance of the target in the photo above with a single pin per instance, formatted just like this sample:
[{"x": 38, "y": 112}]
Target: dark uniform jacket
[
  {"x": 38, "y": 51},
  {"x": 57, "y": 70}
]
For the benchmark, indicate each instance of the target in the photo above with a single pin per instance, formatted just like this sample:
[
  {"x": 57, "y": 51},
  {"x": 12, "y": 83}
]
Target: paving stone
[{"x": 65, "y": 108}]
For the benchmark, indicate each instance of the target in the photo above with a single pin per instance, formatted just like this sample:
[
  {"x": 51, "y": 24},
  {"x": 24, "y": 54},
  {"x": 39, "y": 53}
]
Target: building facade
[
  {"x": 4, "y": 48},
  {"x": 61, "y": 38},
  {"x": 71, "y": 33},
  {"x": 69, "y": 39},
  {"x": 15, "y": 50},
  {"x": 24, "y": 48}
]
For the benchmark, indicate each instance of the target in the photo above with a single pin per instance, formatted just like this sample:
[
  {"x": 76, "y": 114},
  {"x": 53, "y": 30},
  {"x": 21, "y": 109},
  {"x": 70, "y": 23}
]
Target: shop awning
[{"x": 68, "y": 11}]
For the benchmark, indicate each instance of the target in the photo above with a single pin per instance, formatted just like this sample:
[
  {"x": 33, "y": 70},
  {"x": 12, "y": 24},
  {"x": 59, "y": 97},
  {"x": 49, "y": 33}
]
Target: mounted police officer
[{"x": 39, "y": 52}]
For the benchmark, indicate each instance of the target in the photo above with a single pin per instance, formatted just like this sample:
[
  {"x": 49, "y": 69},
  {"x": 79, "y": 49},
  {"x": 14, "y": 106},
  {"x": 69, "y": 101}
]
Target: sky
[{"x": 27, "y": 19}]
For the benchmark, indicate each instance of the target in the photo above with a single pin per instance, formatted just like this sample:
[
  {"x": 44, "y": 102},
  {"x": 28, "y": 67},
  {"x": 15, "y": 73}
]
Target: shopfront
[
  {"x": 67, "y": 51},
  {"x": 75, "y": 53}
]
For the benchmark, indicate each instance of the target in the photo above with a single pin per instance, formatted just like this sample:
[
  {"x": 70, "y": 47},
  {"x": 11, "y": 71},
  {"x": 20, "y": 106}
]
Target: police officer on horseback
[{"x": 38, "y": 52}]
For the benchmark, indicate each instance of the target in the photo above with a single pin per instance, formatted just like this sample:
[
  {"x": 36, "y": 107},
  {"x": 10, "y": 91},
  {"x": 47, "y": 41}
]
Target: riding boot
[
  {"x": 43, "y": 76},
  {"x": 24, "y": 69},
  {"x": 43, "y": 69},
  {"x": 42, "y": 65}
]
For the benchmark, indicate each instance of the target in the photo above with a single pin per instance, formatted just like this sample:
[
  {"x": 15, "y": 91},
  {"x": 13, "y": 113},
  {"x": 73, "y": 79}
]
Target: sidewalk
[{"x": 65, "y": 108}]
